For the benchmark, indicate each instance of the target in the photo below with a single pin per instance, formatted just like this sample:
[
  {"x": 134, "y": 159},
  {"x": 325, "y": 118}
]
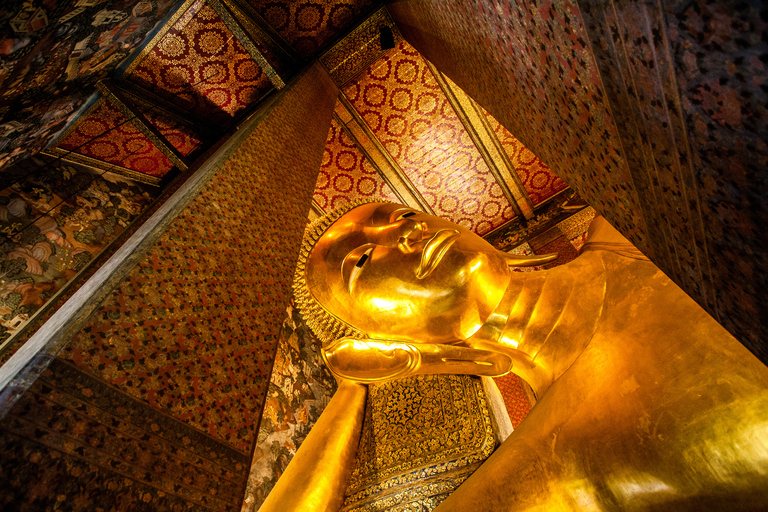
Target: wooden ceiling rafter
[
  {"x": 503, "y": 174},
  {"x": 387, "y": 167},
  {"x": 115, "y": 96},
  {"x": 262, "y": 33},
  {"x": 233, "y": 23},
  {"x": 148, "y": 99},
  {"x": 71, "y": 155}
]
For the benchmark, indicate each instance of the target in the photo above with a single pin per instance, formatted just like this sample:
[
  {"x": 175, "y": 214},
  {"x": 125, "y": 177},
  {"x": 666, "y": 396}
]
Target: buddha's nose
[{"x": 411, "y": 232}]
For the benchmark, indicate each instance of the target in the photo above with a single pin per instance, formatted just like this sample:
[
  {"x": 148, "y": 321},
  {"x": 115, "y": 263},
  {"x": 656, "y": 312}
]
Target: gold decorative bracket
[
  {"x": 358, "y": 49},
  {"x": 488, "y": 144},
  {"x": 135, "y": 116},
  {"x": 359, "y": 131}
]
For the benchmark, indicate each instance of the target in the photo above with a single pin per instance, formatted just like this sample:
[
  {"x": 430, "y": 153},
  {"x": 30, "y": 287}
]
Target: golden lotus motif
[{"x": 645, "y": 402}]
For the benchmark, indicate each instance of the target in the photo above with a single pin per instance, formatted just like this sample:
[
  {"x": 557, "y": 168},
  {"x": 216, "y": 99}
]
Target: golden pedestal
[{"x": 422, "y": 437}]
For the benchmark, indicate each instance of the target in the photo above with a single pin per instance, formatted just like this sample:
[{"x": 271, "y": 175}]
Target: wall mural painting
[
  {"x": 52, "y": 53},
  {"x": 299, "y": 389},
  {"x": 54, "y": 221}
]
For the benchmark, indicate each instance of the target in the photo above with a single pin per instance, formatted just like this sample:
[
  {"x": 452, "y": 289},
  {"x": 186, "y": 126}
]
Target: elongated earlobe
[{"x": 532, "y": 260}]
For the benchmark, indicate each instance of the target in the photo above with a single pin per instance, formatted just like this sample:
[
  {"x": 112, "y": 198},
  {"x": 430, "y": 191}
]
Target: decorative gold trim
[
  {"x": 100, "y": 165},
  {"x": 160, "y": 34},
  {"x": 136, "y": 117},
  {"x": 234, "y": 26},
  {"x": 317, "y": 209},
  {"x": 393, "y": 165},
  {"x": 503, "y": 154}
]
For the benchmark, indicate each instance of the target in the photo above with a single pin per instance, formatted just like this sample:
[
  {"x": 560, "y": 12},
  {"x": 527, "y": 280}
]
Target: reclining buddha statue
[{"x": 644, "y": 401}]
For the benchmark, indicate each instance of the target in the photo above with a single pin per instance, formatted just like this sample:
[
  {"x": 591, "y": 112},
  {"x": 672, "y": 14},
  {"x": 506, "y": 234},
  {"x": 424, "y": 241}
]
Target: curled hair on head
[{"x": 327, "y": 326}]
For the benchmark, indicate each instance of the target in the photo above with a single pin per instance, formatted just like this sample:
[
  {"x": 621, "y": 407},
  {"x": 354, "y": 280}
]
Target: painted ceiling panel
[
  {"x": 107, "y": 135},
  {"x": 346, "y": 175},
  {"x": 309, "y": 26},
  {"x": 539, "y": 181},
  {"x": 199, "y": 65},
  {"x": 402, "y": 103}
]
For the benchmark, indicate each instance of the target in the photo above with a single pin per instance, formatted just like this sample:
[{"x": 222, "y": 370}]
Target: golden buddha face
[{"x": 399, "y": 274}]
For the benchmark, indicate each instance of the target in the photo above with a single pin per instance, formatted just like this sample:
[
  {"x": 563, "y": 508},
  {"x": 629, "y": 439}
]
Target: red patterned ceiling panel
[
  {"x": 346, "y": 175},
  {"x": 180, "y": 136},
  {"x": 199, "y": 65},
  {"x": 309, "y": 26},
  {"x": 539, "y": 181},
  {"x": 402, "y": 103},
  {"x": 107, "y": 135}
]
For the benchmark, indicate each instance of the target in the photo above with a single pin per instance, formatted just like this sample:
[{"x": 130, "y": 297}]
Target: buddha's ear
[{"x": 532, "y": 260}]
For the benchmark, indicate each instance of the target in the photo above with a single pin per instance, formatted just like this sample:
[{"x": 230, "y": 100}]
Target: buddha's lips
[{"x": 434, "y": 250}]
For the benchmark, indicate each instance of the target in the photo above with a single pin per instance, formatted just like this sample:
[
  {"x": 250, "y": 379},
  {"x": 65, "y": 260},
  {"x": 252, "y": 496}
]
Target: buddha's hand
[{"x": 368, "y": 361}]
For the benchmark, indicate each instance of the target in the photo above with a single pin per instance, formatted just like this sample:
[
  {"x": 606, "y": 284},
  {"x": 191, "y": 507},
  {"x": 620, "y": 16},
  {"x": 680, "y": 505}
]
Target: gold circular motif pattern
[
  {"x": 210, "y": 42},
  {"x": 172, "y": 45}
]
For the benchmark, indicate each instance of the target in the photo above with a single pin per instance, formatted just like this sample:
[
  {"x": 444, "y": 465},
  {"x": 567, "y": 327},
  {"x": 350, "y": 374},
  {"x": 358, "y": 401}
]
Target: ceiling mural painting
[
  {"x": 54, "y": 221},
  {"x": 52, "y": 54}
]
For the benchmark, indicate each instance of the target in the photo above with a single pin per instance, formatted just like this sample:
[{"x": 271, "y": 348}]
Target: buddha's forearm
[
  {"x": 317, "y": 477},
  {"x": 370, "y": 361}
]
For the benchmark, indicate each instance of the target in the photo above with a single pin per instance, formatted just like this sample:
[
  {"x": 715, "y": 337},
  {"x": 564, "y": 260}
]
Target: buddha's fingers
[{"x": 370, "y": 360}]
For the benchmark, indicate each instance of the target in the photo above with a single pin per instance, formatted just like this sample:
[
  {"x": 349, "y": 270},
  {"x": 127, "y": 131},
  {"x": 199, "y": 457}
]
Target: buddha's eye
[
  {"x": 358, "y": 268},
  {"x": 400, "y": 215}
]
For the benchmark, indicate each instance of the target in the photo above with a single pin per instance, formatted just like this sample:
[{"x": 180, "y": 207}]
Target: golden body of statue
[{"x": 645, "y": 402}]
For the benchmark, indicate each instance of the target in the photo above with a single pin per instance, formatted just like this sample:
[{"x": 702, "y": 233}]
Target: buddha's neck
[{"x": 546, "y": 319}]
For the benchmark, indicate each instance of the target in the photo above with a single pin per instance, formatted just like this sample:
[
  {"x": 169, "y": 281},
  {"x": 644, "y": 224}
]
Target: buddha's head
[{"x": 386, "y": 271}]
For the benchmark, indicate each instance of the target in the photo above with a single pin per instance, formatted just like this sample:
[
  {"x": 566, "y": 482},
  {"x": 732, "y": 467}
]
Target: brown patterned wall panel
[
  {"x": 308, "y": 26},
  {"x": 192, "y": 330},
  {"x": 402, "y": 103},
  {"x": 199, "y": 65},
  {"x": 107, "y": 135},
  {"x": 75, "y": 438},
  {"x": 538, "y": 180},
  {"x": 346, "y": 175}
]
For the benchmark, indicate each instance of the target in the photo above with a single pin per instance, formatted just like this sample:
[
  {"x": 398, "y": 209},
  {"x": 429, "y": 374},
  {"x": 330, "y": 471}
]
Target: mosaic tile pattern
[
  {"x": 72, "y": 436},
  {"x": 107, "y": 135},
  {"x": 530, "y": 66},
  {"x": 308, "y": 26},
  {"x": 193, "y": 329},
  {"x": 55, "y": 220},
  {"x": 299, "y": 389},
  {"x": 402, "y": 103},
  {"x": 346, "y": 175},
  {"x": 539, "y": 181},
  {"x": 199, "y": 65},
  {"x": 516, "y": 397}
]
